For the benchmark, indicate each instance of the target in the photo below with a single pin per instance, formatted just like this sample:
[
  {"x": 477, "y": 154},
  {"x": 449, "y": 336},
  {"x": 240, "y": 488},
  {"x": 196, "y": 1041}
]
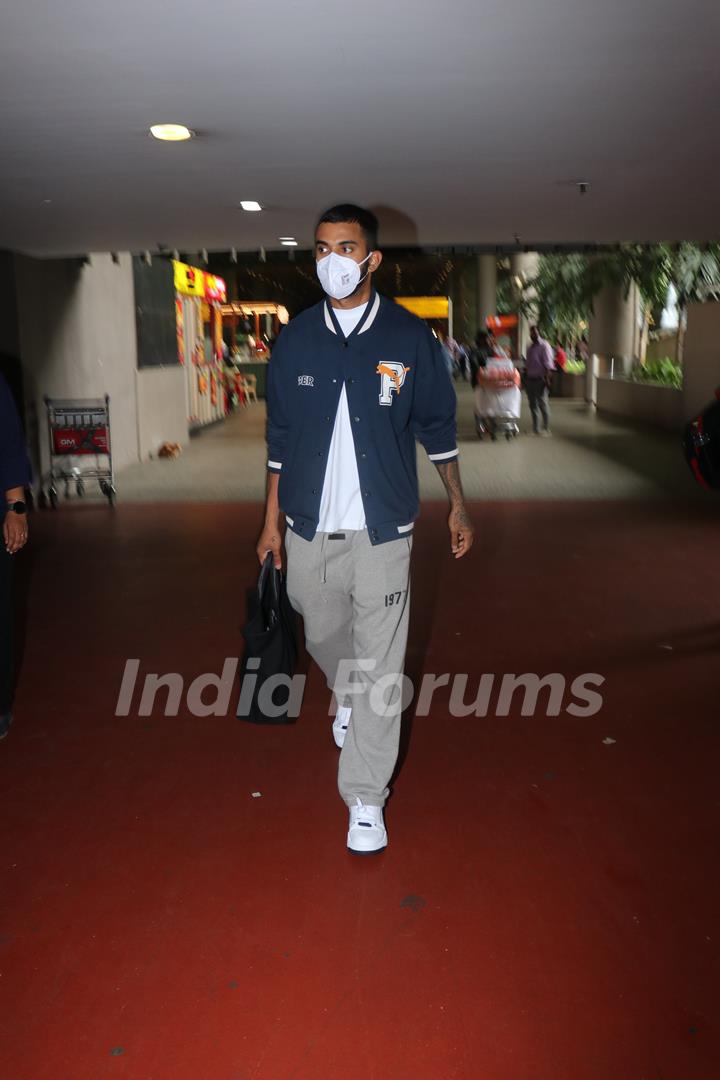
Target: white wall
[
  {"x": 77, "y": 338},
  {"x": 659, "y": 405},
  {"x": 701, "y": 357},
  {"x": 162, "y": 408},
  {"x": 662, "y": 347}
]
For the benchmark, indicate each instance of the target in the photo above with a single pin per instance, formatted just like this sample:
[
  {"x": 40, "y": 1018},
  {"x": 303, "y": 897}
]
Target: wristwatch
[{"x": 17, "y": 507}]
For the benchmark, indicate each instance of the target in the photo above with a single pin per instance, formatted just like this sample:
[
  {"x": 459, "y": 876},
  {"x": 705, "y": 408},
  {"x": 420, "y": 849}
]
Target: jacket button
[
  {"x": 327, "y": 417},
  {"x": 334, "y": 380},
  {"x": 366, "y": 494},
  {"x": 320, "y": 453},
  {"x": 314, "y": 491},
  {"x": 349, "y": 382},
  {"x": 356, "y": 419}
]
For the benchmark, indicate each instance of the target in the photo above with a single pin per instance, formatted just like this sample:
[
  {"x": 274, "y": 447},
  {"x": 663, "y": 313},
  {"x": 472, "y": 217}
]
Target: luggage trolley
[
  {"x": 79, "y": 429},
  {"x": 498, "y": 400}
]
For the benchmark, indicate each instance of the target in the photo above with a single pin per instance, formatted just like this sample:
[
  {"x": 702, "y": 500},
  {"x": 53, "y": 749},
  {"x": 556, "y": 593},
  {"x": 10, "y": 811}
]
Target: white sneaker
[
  {"x": 367, "y": 834},
  {"x": 340, "y": 724}
]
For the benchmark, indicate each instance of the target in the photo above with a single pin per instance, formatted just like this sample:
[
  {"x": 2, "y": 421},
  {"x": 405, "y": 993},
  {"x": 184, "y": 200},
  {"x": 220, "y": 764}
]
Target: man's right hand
[{"x": 270, "y": 540}]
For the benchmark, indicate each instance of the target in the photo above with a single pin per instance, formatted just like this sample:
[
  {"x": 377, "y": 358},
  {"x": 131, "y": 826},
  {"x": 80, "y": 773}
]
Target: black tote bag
[{"x": 270, "y": 638}]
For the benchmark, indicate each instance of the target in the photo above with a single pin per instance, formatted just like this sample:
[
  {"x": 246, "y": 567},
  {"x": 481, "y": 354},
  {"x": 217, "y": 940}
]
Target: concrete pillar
[
  {"x": 613, "y": 328},
  {"x": 78, "y": 339},
  {"x": 486, "y": 288},
  {"x": 463, "y": 293},
  {"x": 523, "y": 268}
]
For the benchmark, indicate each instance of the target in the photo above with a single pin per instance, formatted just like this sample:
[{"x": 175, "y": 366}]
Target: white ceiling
[{"x": 465, "y": 122}]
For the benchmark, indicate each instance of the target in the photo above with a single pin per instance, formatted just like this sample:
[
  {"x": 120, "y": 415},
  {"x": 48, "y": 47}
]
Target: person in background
[
  {"x": 539, "y": 366},
  {"x": 472, "y": 362},
  {"x": 485, "y": 349},
  {"x": 14, "y": 477},
  {"x": 464, "y": 361},
  {"x": 447, "y": 355},
  {"x": 459, "y": 357},
  {"x": 498, "y": 351},
  {"x": 560, "y": 365}
]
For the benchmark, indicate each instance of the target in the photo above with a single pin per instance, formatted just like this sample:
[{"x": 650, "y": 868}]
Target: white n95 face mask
[{"x": 340, "y": 275}]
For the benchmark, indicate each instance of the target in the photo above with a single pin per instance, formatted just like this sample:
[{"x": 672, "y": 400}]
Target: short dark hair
[{"x": 348, "y": 212}]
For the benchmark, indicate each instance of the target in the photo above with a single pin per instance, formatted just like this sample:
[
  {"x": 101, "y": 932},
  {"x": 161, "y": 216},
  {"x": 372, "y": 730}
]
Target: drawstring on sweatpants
[{"x": 323, "y": 558}]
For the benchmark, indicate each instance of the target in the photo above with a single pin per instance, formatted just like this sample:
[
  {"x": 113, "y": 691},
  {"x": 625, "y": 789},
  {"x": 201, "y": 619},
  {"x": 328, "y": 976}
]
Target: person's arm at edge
[
  {"x": 462, "y": 533},
  {"x": 549, "y": 363},
  {"x": 435, "y": 406},
  {"x": 14, "y": 470},
  {"x": 15, "y": 529},
  {"x": 271, "y": 536}
]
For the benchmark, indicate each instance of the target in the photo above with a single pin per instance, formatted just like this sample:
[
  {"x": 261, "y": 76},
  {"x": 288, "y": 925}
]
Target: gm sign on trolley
[{"x": 82, "y": 440}]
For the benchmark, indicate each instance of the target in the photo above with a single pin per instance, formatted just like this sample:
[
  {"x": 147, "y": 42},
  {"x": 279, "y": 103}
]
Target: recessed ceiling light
[
  {"x": 251, "y": 206},
  {"x": 171, "y": 132},
  {"x": 286, "y": 237},
  {"x": 289, "y": 243}
]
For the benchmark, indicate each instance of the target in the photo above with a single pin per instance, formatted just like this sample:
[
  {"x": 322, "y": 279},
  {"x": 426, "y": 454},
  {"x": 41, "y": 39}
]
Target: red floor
[{"x": 548, "y": 906}]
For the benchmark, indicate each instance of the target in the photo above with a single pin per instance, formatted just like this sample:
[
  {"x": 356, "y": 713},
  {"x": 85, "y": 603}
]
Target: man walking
[
  {"x": 351, "y": 383},
  {"x": 539, "y": 366}
]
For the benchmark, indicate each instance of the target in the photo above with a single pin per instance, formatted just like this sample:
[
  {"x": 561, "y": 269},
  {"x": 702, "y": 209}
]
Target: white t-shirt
[{"x": 341, "y": 505}]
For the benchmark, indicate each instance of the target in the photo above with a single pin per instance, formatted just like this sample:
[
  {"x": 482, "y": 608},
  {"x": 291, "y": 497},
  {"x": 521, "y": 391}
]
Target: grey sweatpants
[{"x": 355, "y": 600}]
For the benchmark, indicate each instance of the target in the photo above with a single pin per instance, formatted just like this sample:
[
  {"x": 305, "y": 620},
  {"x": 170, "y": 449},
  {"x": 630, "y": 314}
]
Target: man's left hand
[
  {"x": 462, "y": 533},
  {"x": 15, "y": 531}
]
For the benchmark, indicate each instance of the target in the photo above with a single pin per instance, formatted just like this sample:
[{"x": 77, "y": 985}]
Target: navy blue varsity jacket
[{"x": 398, "y": 389}]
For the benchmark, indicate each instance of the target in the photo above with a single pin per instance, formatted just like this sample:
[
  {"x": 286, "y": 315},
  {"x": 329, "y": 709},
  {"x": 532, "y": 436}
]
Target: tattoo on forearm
[{"x": 450, "y": 476}]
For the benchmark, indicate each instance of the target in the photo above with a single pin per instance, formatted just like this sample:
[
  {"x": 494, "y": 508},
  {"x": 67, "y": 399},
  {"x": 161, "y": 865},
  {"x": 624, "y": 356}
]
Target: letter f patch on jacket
[{"x": 392, "y": 376}]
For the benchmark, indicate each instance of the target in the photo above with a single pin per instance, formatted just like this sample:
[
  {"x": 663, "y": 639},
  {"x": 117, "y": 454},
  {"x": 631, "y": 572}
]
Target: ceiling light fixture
[
  {"x": 250, "y": 206},
  {"x": 171, "y": 132},
  {"x": 289, "y": 243}
]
